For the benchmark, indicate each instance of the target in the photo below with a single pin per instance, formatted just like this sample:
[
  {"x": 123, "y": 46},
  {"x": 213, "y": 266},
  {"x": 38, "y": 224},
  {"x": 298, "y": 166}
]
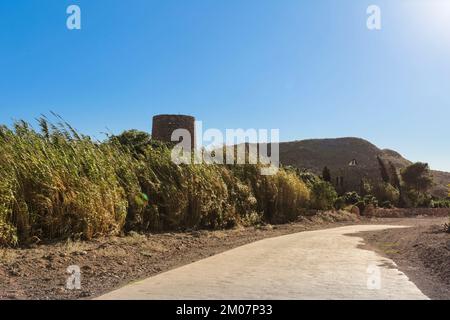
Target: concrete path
[{"x": 323, "y": 264}]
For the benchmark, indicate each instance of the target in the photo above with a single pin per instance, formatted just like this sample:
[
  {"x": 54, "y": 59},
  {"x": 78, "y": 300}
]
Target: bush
[
  {"x": 361, "y": 206},
  {"x": 308, "y": 178},
  {"x": 323, "y": 196},
  {"x": 368, "y": 203},
  {"x": 280, "y": 197},
  {"x": 443, "y": 203},
  {"x": 387, "y": 205},
  {"x": 370, "y": 200},
  {"x": 351, "y": 197},
  {"x": 340, "y": 203},
  {"x": 292, "y": 196},
  {"x": 414, "y": 199},
  {"x": 385, "y": 192},
  {"x": 417, "y": 177},
  {"x": 136, "y": 141},
  {"x": 425, "y": 201},
  {"x": 366, "y": 187}
]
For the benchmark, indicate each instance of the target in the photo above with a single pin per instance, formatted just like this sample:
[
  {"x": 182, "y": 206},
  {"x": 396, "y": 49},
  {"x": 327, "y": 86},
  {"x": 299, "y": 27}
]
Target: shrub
[
  {"x": 385, "y": 192},
  {"x": 443, "y": 203},
  {"x": 292, "y": 196},
  {"x": 280, "y": 197},
  {"x": 414, "y": 199},
  {"x": 340, "y": 203},
  {"x": 367, "y": 204},
  {"x": 136, "y": 141},
  {"x": 447, "y": 225},
  {"x": 417, "y": 176},
  {"x": 387, "y": 205},
  {"x": 370, "y": 200},
  {"x": 370, "y": 204},
  {"x": 323, "y": 196},
  {"x": 308, "y": 178},
  {"x": 366, "y": 187},
  {"x": 351, "y": 197}
]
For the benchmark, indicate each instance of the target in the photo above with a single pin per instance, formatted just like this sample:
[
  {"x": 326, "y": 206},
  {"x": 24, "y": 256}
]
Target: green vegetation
[
  {"x": 441, "y": 203},
  {"x": 58, "y": 184},
  {"x": 408, "y": 189},
  {"x": 417, "y": 181},
  {"x": 323, "y": 196},
  {"x": 417, "y": 177},
  {"x": 386, "y": 193},
  {"x": 351, "y": 198}
]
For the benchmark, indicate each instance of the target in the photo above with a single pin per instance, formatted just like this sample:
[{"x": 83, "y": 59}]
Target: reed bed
[{"x": 56, "y": 183}]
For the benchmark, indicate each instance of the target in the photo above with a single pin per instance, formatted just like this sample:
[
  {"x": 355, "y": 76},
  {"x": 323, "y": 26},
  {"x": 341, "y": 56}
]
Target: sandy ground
[
  {"x": 322, "y": 264},
  {"x": 39, "y": 272},
  {"x": 422, "y": 252}
]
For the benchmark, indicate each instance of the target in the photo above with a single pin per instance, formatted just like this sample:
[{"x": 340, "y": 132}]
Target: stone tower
[{"x": 165, "y": 124}]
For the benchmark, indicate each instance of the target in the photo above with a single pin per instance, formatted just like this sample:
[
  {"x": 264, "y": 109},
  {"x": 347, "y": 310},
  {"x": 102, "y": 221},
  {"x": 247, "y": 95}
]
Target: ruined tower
[{"x": 165, "y": 124}]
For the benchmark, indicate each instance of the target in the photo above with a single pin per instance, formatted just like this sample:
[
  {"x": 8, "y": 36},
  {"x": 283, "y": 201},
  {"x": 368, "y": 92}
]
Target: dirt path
[
  {"x": 39, "y": 272},
  {"x": 323, "y": 264},
  {"x": 422, "y": 252}
]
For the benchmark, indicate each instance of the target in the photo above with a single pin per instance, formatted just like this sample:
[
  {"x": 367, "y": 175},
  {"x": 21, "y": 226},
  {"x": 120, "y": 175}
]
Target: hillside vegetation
[{"x": 336, "y": 154}]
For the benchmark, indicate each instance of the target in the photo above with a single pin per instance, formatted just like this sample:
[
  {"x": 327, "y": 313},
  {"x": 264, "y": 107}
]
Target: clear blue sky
[{"x": 310, "y": 68}]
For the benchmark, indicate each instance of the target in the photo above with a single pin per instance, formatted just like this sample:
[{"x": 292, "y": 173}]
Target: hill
[{"x": 337, "y": 155}]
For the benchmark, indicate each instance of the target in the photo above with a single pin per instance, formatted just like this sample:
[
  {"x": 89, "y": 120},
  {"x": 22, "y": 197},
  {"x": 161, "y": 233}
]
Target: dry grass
[
  {"x": 71, "y": 246},
  {"x": 59, "y": 184},
  {"x": 7, "y": 255}
]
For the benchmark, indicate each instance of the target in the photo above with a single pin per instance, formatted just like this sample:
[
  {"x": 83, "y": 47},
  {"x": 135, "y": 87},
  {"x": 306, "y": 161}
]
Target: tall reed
[{"x": 56, "y": 183}]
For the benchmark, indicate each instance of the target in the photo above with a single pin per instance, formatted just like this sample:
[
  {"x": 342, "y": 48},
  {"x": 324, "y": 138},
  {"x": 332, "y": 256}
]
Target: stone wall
[
  {"x": 412, "y": 212},
  {"x": 164, "y": 125}
]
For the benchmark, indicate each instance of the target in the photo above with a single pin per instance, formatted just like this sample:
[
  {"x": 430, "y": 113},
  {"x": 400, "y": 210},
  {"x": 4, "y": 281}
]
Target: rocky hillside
[{"x": 337, "y": 154}]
